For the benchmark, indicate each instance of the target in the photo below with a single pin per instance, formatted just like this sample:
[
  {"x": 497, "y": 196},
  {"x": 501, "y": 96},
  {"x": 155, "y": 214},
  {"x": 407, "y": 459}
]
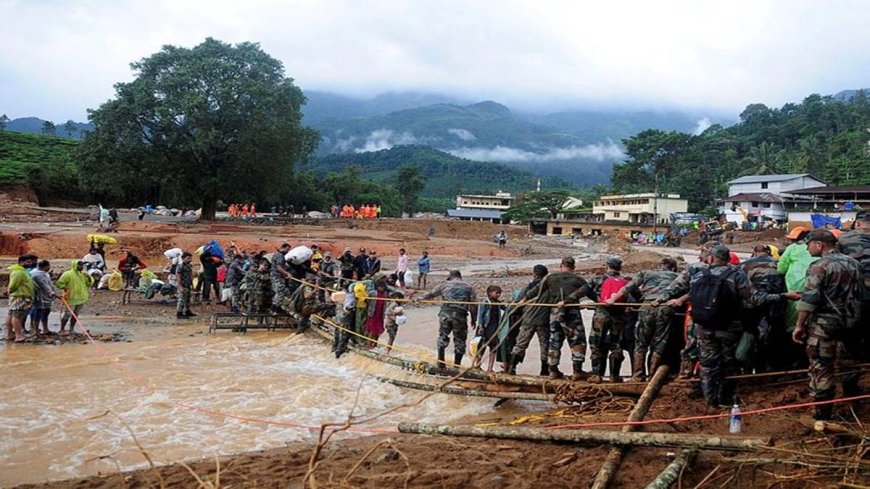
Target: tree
[
  {"x": 537, "y": 205},
  {"x": 215, "y": 121},
  {"x": 765, "y": 159},
  {"x": 4, "y": 119},
  {"x": 69, "y": 127},
  {"x": 48, "y": 128},
  {"x": 409, "y": 185}
]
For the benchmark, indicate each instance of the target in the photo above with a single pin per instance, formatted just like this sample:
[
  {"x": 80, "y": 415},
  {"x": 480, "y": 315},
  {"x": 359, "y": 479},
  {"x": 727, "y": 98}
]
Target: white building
[
  {"x": 481, "y": 207},
  {"x": 644, "y": 208},
  {"x": 760, "y": 197}
]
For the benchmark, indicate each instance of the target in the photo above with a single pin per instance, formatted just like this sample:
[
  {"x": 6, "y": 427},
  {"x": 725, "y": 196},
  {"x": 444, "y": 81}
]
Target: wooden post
[
  {"x": 614, "y": 458},
  {"x": 529, "y": 396},
  {"x": 668, "y": 476},
  {"x": 619, "y": 438}
]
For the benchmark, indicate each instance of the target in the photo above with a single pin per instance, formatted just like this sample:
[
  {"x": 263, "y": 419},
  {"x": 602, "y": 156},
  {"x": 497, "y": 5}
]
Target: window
[
  {"x": 755, "y": 204},
  {"x": 615, "y": 214},
  {"x": 763, "y": 184},
  {"x": 767, "y": 205},
  {"x": 557, "y": 231}
]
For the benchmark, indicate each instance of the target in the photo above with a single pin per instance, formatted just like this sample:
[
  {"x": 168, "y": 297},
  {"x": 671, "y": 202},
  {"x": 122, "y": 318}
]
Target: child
[
  {"x": 489, "y": 316},
  {"x": 395, "y": 318}
]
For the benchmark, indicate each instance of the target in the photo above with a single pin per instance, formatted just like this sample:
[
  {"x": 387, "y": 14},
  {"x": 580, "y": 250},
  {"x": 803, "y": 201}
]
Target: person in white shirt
[{"x": 402, "y": 267}]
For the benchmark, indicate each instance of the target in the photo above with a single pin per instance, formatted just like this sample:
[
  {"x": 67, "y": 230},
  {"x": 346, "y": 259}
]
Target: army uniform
[
  {"x": 717, "y": 341},
  {"x": 259, "y": 290},
  {"x": 606, "y": 319},
  {"x": 185, "y": 283},
  {"x": 765, "y": 321},
  {"x": 833, "y": 282},
  {"x": 279, "y": 281},
  {"x": 856, "y": 243},
  {"x": 534, "y": 320},
  {"x": 567, "y": 323},
  {"x": 690, "y": 354},
  {"x": 453, "y": 318},
  {"x": 654, "y": 323},
  {"x": 235, "y": 277}
]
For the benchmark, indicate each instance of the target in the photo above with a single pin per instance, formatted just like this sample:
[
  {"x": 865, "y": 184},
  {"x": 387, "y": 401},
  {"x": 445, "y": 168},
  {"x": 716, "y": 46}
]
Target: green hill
[
  {"x": 446, "y": 175},
  {"x": 44, "y": 163}
]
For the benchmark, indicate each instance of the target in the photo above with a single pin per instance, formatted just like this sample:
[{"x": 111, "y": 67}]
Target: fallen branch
[
  {"x": 594, "y": 437},
  {"x": 668, "y": 476},
  {"x": 614, "y": 458}
]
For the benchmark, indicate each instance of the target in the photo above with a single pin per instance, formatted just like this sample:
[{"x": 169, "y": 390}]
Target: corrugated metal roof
[
  {"x": 770, "y": 178},
  {"x": 859, "y": 189},
  {"x": 474, "y": 213}
]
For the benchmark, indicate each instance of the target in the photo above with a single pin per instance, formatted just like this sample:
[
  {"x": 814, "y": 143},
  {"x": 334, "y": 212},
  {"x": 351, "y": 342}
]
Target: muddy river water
[{"x": 54, "y": 399}]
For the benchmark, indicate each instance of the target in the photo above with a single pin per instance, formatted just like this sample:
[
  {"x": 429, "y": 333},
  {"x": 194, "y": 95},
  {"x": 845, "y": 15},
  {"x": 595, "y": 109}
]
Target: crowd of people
[
  {"x": 242, "y": 210},
  {"x": 804, "y": 309},
  {"x": 348, "y": 211}
]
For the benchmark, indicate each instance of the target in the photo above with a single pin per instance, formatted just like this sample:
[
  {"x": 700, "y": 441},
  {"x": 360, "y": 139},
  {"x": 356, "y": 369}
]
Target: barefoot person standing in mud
[
  {"x": 20, "y": 291},
  {"x": 73, "y": 284}
]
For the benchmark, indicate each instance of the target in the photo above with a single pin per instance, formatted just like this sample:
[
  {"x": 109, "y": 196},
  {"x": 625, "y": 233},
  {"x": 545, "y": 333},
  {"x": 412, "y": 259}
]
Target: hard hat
[{"x": 796, "y": 232}]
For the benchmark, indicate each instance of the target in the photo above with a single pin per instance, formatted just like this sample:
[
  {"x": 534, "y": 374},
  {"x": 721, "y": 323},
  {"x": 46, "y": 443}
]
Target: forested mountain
[
  {"x": 823, "y": 135},
  {"x": 35, "y": 125},
  {"x": 445, "y": 175}
]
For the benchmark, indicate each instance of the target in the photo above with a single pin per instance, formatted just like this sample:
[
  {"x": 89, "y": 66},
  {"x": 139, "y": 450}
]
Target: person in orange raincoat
[
  {"x": 245, "y": 210},
  {"x": 253, "y": 210}
]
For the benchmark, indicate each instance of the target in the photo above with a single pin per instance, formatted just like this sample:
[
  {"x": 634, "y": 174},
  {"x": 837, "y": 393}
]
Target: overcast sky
[{"x": 58, "y": 58}]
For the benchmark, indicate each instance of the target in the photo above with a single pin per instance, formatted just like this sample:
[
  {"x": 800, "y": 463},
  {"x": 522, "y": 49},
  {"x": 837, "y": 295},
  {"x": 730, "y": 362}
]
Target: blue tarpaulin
[{"x": 822, "y": 221}]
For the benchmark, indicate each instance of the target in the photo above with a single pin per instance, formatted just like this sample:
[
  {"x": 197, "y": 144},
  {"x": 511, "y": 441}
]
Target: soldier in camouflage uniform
[
  {"x": 676, "y": 295},
  {"x": 279, "y": 277},
  {"x": 533, "y": 320},
  {"x": 235, "y": 277},
  {"x": 185, "y": 283},
  {"x": 766, "y": 321},
  {"x": 561, "y": 288},
  {"x": 654, "y": 323},
  {"x": 717, "y": 340},
  {"x": 606, "y": 319},
  {"x": 856, "y": 243},
  {"x": 453, "y": 318},
  {"x": 259, "y": 288},
  {"x": 828, "y": 313}
]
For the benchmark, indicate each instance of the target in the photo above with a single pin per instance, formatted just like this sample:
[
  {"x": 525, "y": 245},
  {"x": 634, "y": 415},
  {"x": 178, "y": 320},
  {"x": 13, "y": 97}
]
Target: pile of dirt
[
  {"x": 632, "y": 261},
  {"x": 444, "y": 228}
]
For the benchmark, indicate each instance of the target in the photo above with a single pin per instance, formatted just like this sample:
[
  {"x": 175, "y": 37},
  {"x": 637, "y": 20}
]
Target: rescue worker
[
  {"x": 73, "y": 284},
  {"x": 561, "y": 288},
  {"x": 533, "y": 320},
  {"x": 793, "y": 263},
  {"x": 828, "y": 319},
  {"x": 453, "y": 318},
  {"x": 235, "y": 277},
  {"x": 766, "y": 321},
  {"x": 184, "y": 274},
  {"x": 280, "y": 275},
  {"x": 856, "y": 243},
  {"x": 653, "y": 326},
  {"x": 607, "y": 319}
]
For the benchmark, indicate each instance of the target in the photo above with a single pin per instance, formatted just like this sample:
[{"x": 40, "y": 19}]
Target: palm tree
[{"x": 765, "y": 159}]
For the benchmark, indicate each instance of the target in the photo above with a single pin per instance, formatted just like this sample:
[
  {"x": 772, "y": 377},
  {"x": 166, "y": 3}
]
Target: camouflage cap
[
  {"x": 568, "y": 261},
  {"x": 823, "y": 235},
  {"x": 614, "y": 263},
  {"x": 721, "y": 252}
]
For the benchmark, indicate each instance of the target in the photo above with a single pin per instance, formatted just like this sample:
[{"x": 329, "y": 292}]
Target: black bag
[{"x": 713, "y": 301}]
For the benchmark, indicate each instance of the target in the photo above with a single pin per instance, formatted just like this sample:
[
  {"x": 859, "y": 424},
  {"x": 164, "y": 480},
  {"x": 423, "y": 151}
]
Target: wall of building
[
  {"x": 774, "y": 187},
  {"x": 803, "y": 218},
  {"x": 482, "y": 202},
  {"x": 580, "y": 228}
]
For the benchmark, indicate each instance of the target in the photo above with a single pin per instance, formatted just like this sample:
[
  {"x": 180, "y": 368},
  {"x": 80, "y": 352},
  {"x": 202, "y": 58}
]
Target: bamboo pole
[
  {"x": 668, "y": 476},
  {"x": 619, "y": 438},
  {"x": 614, "y": 458},
  {"x": 529, "y": 396}
]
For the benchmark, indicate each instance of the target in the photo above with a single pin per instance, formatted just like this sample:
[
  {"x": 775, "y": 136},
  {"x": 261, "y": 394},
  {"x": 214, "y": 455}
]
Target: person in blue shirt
[{"x": 424, "y": 267}]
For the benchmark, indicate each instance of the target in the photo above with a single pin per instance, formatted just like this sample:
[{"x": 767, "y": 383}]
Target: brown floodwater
[{"x": 54, "y": 399}]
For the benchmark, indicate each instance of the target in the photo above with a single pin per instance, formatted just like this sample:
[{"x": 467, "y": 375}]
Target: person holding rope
[
  {"x": 489, "y": 316},
  {"x": 533, "y": 320},
  {"x": 606, "y": 319},
  {"x": 453, "y": 318},
  {"x": 563, "y": 288}
]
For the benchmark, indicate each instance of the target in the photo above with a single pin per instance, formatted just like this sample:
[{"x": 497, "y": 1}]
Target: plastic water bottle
[{"x": 735, "y": 424}]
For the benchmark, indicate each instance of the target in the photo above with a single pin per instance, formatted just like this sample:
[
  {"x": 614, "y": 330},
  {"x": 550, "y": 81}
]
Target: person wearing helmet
[{"x": 793, "y": 263}]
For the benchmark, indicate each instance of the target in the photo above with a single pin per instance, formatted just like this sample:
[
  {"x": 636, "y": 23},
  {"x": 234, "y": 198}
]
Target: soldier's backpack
[
  {"x": 610, "y": 287},
  {"x": 713, "y": 302}
]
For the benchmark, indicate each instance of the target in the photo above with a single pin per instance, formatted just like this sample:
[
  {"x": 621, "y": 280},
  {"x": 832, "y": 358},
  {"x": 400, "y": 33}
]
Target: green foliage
[
  {"x": 537, "y": 205},
  {"x": 821, "y": 136},
  {"x": 445, "y": 175},
  {"x": 45, "y": 164},
  {"x": 214, "y": 121},
  {"x": 409, "y": 185},
  {"x": 48, "y": 129}
]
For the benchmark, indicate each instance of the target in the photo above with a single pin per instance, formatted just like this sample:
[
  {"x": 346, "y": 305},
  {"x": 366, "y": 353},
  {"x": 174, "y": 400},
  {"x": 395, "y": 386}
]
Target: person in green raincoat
[
  {"x": 74, "y": 284},
  {"x": 793, "y": 263}
]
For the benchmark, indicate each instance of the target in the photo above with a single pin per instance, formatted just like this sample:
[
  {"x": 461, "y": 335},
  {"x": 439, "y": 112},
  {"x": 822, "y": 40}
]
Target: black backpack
[{"x": 713, "y": 301}]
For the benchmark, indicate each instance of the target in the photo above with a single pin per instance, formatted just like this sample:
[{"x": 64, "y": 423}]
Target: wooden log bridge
[{"x": 595, "y": 437}]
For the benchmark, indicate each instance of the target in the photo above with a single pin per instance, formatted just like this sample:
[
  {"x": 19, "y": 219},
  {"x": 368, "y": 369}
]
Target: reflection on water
[{"x": 51, "y": 398}]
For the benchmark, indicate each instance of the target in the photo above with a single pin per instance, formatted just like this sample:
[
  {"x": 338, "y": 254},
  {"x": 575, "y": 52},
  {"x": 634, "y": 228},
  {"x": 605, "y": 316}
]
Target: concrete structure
[
  {"x": 835, "y": 198},
  {"x": 481, "y": 207},
  {"x": 772, "y": 184},
  {"x": 644, "y": 208},
  {"x": 501, "y": 201},
  {"x": 755, "y": 198}
]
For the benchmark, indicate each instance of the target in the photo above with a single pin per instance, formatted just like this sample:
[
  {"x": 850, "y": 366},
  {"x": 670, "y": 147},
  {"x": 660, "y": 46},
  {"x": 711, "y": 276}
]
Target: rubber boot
[
  {"x": 554, "y": 372},
  {"x": 597, "y": 371},
  {"x": 638, "y": 373},
  {"x": 441, "y": 363},
  {"x": 457, "y": 360},
  {"x": 654, "y": 361},
  {"x": 545, "y": 368},
  {"x": 615, "y": 367},
  {"x": 687, "y": 369},
  {"x": 579, "y": 374}
]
